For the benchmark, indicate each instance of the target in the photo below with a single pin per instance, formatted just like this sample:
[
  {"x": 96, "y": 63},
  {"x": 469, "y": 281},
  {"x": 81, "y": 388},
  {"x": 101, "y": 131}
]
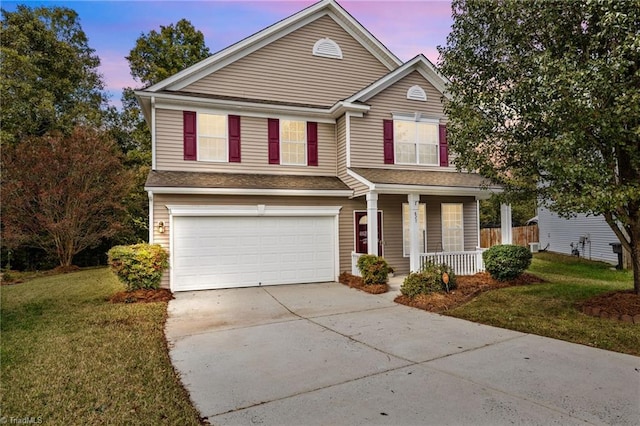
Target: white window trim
[
  {"x": 306, "y": 157},
  {"x": 406, "y": 251},
  {"x": 417, "y": 119},
  {"x": 442, "y": 224},
  {"x": 226, "y": 137}
]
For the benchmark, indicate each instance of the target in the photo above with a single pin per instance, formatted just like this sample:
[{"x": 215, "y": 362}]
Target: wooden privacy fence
[{"x": 522, "y": 236}]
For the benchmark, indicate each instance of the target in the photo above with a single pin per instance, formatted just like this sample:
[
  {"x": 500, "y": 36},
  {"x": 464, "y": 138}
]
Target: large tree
[
  {"x": 159, "y": 55},
  {"x": 63, "y": 193},
  {"x": 48, "y": 78},
  {"x": 545, "y": 100}
]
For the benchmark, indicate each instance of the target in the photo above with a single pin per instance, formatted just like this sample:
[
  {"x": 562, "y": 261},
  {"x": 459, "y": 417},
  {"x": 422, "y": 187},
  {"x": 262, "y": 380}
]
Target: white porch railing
[
  {"x": 354, "y": 263},
  {"x": 462, "y": 262}
]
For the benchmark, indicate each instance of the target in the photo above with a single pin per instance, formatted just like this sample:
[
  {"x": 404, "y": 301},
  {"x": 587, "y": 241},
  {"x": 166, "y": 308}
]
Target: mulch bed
[
  {"x": 468, "y": 288},
  {"x": 142, "y": 296},
  {"x": 619, "y": 305},
  {"x": 356, "y": 282}
]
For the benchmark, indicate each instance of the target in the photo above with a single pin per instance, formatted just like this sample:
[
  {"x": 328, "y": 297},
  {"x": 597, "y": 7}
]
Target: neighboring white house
[{"x": 591, "y": 235}]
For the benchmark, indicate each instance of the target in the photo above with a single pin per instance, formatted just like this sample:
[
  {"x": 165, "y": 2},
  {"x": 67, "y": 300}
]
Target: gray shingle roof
[
  {"x": 423, "y": 178},
  {"x": 242, "y": 181}
]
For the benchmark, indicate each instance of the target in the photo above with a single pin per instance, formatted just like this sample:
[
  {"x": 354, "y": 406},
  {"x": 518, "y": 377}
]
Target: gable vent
[
  {"x": 416, "y": 93},
  {"x": 327, "y": 48}
]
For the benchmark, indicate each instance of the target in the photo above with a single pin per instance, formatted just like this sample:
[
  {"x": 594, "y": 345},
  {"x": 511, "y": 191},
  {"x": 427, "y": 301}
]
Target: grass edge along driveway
[
  {"x": 69, "y": 356},
  {"x": 550, "y": 309}
]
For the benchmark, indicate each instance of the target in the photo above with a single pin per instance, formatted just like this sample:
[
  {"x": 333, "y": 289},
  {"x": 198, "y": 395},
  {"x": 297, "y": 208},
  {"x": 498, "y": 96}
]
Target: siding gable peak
[
  {"x": 419, "y": 63},
  {"x": 275, "y": 32}
]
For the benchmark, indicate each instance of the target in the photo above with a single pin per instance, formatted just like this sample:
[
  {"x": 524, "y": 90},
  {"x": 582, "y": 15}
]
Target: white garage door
[{"x": 223, "y": 252}]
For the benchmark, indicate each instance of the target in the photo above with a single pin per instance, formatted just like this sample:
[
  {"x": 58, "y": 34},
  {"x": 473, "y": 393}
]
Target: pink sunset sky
[{"x": 407, "y": 28}]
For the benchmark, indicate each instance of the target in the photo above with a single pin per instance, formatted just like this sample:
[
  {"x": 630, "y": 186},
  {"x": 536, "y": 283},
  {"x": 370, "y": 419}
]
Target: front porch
[
  {"x": 412, "y": 217},
  {"x": 462, "y": 262}
]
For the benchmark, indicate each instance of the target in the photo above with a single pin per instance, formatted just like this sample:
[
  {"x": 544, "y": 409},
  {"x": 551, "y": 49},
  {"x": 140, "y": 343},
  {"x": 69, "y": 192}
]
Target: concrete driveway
[{"x": 325, "y": 354}]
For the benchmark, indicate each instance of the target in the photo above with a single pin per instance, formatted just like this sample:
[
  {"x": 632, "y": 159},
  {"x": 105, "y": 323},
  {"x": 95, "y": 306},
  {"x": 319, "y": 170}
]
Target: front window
[
  {"x": 293, "y": 142},
  {"x": 212, "y": 137},
  {"x": 452, "y": 227},
  {"x": 422, "y": 229},
  {"x": 416, "y": 142}
]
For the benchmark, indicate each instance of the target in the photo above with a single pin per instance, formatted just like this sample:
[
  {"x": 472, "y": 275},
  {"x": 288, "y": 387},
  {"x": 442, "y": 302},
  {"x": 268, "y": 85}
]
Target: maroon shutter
[
  {"x": 444, "y": 148},
  {"x": 189, "y": 135},
  {"x": 388, "y": 141},
  {"x": 274, "y": 140},
  {"x": 312, "y": 143},
  {"x": 234, "y": 139}
]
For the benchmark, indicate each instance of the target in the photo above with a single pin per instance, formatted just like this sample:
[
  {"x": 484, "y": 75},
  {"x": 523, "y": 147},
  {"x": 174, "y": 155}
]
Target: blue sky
[{"x": 405, "y": 27}]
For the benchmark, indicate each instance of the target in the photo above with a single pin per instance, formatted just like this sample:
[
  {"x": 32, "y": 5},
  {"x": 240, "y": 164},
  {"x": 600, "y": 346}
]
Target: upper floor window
[
  {"x": 416, "y": 142},
  {"x": 293, "y": 142},
  {"x": 212, "y": 137}
]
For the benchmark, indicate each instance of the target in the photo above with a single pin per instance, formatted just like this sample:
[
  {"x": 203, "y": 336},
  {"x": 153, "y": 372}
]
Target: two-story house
[{"x": 287, "y": 155}]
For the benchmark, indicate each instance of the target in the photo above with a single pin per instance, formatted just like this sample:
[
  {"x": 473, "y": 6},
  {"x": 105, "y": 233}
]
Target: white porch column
[
  {"x": 372, "y": 223},
  {"x": 505, "y": 224},
  {"x": 414, "y": 232}
]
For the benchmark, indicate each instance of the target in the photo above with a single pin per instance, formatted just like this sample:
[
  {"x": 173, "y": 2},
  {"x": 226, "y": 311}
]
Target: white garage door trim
[{"x": 253, "y": 211}]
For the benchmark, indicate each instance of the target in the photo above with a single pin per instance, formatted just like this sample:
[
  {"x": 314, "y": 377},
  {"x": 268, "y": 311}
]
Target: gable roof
[
  {"x": 419, "y": 63},
  {"x": 274, "y": 32}
]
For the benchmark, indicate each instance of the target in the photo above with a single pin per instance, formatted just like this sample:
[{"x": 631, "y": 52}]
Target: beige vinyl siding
[
  {"x": 346, "y": 237},
  {"x": 391, "y": 205},
  {"x": 470, "y": 213},
  {"x": 286, "y": 70},
  {"x": 366, "y": 133},
  {"x": 341, "y": 131},
  {"x": 254, "y": 149}
]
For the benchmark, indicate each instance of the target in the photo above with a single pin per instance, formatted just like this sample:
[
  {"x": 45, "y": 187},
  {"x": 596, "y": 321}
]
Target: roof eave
[
  {"x": 321, "y": 114},
  {"x": 477, "y": 192}
]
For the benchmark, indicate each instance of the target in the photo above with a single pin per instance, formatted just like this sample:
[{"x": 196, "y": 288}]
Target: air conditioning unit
[{"x": 534, "y": 247}]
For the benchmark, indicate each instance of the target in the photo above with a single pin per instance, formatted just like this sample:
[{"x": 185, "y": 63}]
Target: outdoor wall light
[{"x": 161, "y": 227}]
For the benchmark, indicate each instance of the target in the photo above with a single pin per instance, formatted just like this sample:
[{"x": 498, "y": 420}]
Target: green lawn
[
  {"x": 68, "y": 356},
  {"x": 549, "y": 309}
]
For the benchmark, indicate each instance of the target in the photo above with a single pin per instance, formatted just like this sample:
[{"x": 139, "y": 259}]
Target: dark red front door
[{"x": 361, "y": 233}]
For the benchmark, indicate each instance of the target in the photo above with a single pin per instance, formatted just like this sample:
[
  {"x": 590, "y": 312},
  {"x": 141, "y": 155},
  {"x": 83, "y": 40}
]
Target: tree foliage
[
  {"x": 159, "y": 55},
  {"x": 63, "y": 193},
  {"x": 48, "y": 79},
  {"x": 545, "y": 101}
]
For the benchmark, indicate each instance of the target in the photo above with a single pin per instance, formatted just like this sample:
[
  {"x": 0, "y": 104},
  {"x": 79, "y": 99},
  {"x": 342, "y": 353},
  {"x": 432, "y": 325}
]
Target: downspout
[
  {"x": 347, "y": 130},
  {"x": 153, "y": 133},
  {"x": 478, "y": 222},
  {"x": 150, "y": 193}
]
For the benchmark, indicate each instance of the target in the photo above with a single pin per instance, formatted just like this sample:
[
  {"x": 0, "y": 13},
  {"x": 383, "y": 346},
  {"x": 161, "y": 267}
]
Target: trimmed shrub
[
  {"x": 139, "y": 266},
  {"x": 507, "y": 261},
  {"x": 428, "y": 280},
  {"x": 374, "y": 269}
]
